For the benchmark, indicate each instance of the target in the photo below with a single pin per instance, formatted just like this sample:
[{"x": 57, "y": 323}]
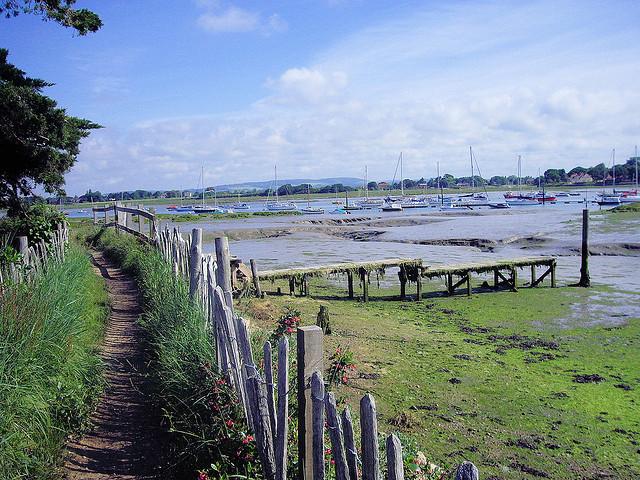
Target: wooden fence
[
  {"x": 264, "y": 396},
  {"x": 34, "y": 258},
  {"x": 125, "y": 218}
]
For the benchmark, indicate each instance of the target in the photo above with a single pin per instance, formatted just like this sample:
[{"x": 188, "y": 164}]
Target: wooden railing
[
  {"x": 265, "y": 396},
  {"x": 125, "y": 218}
]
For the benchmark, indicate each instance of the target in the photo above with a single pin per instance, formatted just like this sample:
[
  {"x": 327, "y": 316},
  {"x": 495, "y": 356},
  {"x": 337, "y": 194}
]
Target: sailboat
[
  {"x": 610, "y": 198},
  {"x": 279, "y": 206},
  {"x": 337, "y": 201},
  {"x": 240, "y": 205},
  {"x": 181, "y": 207},
  {"x": 202, "y": 208},
  {"x": 309, "y": 210},
  {"x": 368, "y": 203},
  {"x": 519, "y": 200},
  {"x": 630, "y": 196}
]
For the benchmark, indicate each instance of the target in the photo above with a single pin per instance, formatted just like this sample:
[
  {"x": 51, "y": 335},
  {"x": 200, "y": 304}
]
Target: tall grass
[
  {"x": 199, "y": 407},
  {"x": 50, "y": 374}
]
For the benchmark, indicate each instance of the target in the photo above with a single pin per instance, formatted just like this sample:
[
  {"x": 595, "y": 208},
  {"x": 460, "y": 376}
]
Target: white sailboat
[
  {"x": 632, "y": 196},
  {"x": 279, "y": 206},
  {"x": 240, "y": 205},
  {"x": 309, "y": 210},
  {"x": 202, "y": 208},
  {"x": 610, "y": 198},
  {"x": 368, "y": 203}
]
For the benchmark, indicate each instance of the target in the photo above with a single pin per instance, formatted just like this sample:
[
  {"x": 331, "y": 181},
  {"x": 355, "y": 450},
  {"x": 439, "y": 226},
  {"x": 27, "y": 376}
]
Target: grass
[
  {"x": 50, "y": 374},
  {"x": 200, "y": 412},
  {"x": 491, "y": 378}
]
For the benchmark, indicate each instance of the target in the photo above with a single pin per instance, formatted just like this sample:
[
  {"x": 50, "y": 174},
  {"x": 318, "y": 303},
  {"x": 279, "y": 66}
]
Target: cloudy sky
[{"x": 324, "y": 87}]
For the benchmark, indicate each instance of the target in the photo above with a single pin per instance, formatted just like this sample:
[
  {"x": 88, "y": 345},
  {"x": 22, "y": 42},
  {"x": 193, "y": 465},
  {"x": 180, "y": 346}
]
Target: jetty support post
[
  {"x": 514, "y": 279},
  {"x": 585, "y": 279},
  {"x": 469, "y": 283},
  {"x": 292, "y": 286},
  {"x": 418, "y": 288},
  {"x": 116, "y": 217},
  {"x": 364, "y": 278},
  {"x": 106, "y": 216},
  {"x": 350, "y": 283},
  {"x": 402, "y": 276},
  {"x": 533, "y": 276},
  {"x": 223, "y": 272},
  {"x": 309, "y": 361},
  {"x": 553, "y": 274},
  {"x": 256, "y": 278},
  {"x": 449, "y": 283}
]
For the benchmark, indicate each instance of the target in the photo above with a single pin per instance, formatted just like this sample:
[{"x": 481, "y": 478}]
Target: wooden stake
[
  {"x": 223, "y": 273},
  {"x": 317, "y": 399},
  {"x": 350, "y": 444},
  {"x": 195, "y": 263},
  {"x": 309, "y": 360},
  {"x": 335, "y": 434},
  {"x": 364, "y": 278},
  {"x": 282, "y": 426},
  {"x": 350, "y": 283},
  {"x": 585, "y": 279},
  {"x": 395, "y": 466},
  {"x": 256, "y": 278},
  {"x": 369, "y": 439}
]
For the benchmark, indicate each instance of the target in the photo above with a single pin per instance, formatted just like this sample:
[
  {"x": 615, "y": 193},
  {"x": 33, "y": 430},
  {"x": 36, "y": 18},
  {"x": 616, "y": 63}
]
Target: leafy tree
[
  {"x": 60, "y": 11},
  {"x": 372, "y": 186},
  {"x": 599, "y": 172},
  {"x": 38, "y": 140}
]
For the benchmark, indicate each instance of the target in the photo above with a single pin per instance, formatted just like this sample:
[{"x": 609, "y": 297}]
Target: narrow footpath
[{"x": 126, "y": 440}]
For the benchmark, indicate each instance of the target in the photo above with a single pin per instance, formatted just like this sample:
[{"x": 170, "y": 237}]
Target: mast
[
  {"x": 636, "y": 156},
  {"x": 275, "y": 172},
  {"x": 202, "y": 178},
  {"x": 366, "y": 185},
  {"x": 439, "y": 184},
  {"x": 613, "y": 156},
  {"x": 471, "y": 158},
  {"x": 519, "y": 174},
  {"x": 401, "y": 178}
]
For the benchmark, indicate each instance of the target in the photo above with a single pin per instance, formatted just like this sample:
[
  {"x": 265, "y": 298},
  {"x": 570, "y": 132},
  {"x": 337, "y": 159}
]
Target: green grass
[
  {"x": 50, "y": 374},
  {"x": 489, "y": 378}
]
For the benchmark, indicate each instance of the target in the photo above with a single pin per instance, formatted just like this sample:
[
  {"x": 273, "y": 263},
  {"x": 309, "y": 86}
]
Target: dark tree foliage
[
  {"x": 61, "y": 11},
  {"x": 39, "y": 142}
]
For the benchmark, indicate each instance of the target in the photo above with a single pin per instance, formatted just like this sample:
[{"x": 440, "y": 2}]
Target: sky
[{"x": 324, "y": 87}]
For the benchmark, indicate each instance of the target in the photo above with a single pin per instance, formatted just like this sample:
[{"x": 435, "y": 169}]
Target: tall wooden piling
[
  {"x": 364, "y": 278},
  {"x": 585, "y": 279},
  {"x": 350, "y": 283},
  {"x": 402, "y": 276},
  {"x": 256, "y": 278},
  {"x": 309, "y": 360}
]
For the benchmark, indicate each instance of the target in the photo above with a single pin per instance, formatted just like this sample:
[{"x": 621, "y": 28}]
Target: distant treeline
[{"x": 596, "y": 175}]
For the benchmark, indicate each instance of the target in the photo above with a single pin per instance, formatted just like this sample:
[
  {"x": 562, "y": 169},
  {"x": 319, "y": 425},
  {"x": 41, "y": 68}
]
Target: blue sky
[{"x": 325, "y": 87}]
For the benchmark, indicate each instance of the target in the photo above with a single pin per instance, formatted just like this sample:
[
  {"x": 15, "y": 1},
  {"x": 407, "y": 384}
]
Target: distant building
[{"x": 383, "y": 185}]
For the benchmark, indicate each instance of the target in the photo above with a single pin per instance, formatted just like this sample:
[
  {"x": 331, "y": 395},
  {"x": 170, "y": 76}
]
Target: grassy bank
[
  {"x": 198, "y": 407},
  {"x": 515, "y": 382},
  {"x": 50, "y": 374}
]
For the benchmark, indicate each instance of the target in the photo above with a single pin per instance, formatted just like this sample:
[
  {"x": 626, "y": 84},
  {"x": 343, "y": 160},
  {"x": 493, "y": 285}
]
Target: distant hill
[{"x": 347, "y": 181}]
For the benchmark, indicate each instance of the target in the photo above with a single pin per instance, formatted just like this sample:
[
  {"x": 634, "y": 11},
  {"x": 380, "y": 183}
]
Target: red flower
[
  {"x": 247, "y": 439},
  {"x": 203, "y": 476},
  {"x": 229, "y": 423}
]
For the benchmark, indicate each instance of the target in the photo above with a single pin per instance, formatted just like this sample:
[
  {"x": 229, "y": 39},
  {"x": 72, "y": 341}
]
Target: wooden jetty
[{"x": 505, "y": 273}]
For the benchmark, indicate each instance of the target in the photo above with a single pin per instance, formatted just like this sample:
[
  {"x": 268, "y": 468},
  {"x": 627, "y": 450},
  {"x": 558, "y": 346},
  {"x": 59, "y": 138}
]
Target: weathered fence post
[
  {"x": 350, "y": 283},
  {"x": 140, "y": 219},
  {"x": 223, "y": 272},
  {"x": 317, "y": 402},
  {"x": 395, "y": 466},
  {"x": 533, "y": 275},
  {"x": 195, "y": 263},
  {"x": 282, "y": 427},
  {"x": 335, "y": 434},
  {"x": 116, "y": 217},
  {"x": 268, "y": 378},
  {"x": 369, "y": 439},
  {"x": 256, "y": 278},
  {"x": 585, "y": 279},
  {"x": 95, "y": 216},
  {"x": 467, "y": 471},
  {"x": 309, "y": 359},
  {"x": 350, "y": 444},
  {"x": 23, "y": 245},
  {"x": 106, "y": 215},
  {"x": 364, "y": 278}
]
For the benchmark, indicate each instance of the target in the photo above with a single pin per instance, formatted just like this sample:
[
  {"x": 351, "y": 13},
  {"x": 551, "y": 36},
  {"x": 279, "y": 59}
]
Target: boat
[
  {"x": 631, "y": 196},
  {"x": 368, "y": 203},
  {"x": 610, "y": 198},
  {"x": 171, "y": 207},
  {"x": 185, "y": 208},
  {"x": 203, "y": 208},
  {"x": 279, "y": 206},
  {"x": 604, "y": 199},
  {"x": 522, "y": 202},
  {"x": 391, "y": 207},
  {"x": 456, "y": 206},
  {"x": 499, "y": 205},
  {"x": 240, "y": 205},
  {"x": 338, "y": 211},
  {"x": 309, "y": 210}
]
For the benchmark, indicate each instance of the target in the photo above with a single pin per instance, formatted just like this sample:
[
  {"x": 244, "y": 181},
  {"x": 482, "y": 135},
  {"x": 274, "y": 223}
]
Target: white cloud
[
  {"x": 232, "y": 19},
  {"x": 308, "y": 84}
]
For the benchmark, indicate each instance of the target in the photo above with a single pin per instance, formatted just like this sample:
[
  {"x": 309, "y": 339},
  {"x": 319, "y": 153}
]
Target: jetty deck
[{"x": 505, "y": 274}]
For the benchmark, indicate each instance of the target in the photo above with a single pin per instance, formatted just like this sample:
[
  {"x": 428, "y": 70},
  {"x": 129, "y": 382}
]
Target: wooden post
[
  {"x": 223, "y": 273},
  {"x": 350, "y": 283},
  {"x": 335, "y": 434},
  {"x": 292, "y": 286},
  {"x": 282, "y": 427},
  {"x": 369, "y": 439},
  {"x": 533, "y": 275},
  {"x": 496, "y": 281},
  {"x": 305, "y": 285},
  {"x": 364, "y": 278},
  {"x": 116, "y": 219},
  {"x": 418, "y": 288},
  {"x": 449, "y": 284},
  {"x": 585, "y": 279},
  {"x": 467, "y": 471},
  {"x": 402, "y": 276},
  {"x": 106, "y": 215},
  {"x": 469, "y": 284},
  {"x": 350, "y": 444},
  {"x": 268, "y": 378},
  {"x": 256, "y": 278},
  {"x": 553, "y": 274},
  {"x": 317, "y": 401},
  {"x": 514, "y": 279},
  {"x": 309, "y": 359},
  {"x": 195, "y": 263},
  {"x": 140, "y": 219},
  {"x": 395, "y": 466},
  {"x": 95, "y": 217},
  {"x": 23, "y": 246}
]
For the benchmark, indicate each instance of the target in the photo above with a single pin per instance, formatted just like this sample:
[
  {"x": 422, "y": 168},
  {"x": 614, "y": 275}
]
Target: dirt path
[{"x": 126, "y": 440}]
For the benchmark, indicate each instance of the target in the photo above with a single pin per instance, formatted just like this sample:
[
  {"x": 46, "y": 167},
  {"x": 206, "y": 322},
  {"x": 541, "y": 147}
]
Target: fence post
[
  {"x": 195, "y": 263},
  {"x": 585, "y": 279},
  {"x": 140, "y": 219},
  {"x": 369, "y": 439},
  {"x": 395, "y": 467},
  {"x": 224, "y": 269},
  {"x": 256, "y": 277},
  {"x": 350, "y": 283},
  {"x": 95, "y": 216},
  {"x": 282, "y": 427},
  {"x": 350, "y": 444},
  {"x": 467, "y": 471},
  {"x": 23, "y": 245},
  {"x": 309, "y": 359},
  {"x": 115, "y": 217},
  {"x": 268, "y": 378},
  {"x": 317, "y": 402},
  {"x": 335, "y": 434}
]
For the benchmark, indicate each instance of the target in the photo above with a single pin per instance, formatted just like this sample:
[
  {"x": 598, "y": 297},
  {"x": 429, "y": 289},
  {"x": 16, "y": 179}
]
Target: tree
[
  {"x": 599, "y": 172},
  {"x": 60, "y": 11},
  {"x": 38, "y": 140}
]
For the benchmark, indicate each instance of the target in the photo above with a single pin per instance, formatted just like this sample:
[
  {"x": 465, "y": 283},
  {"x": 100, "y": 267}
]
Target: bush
[
  {"x": 199, "y": 406},
  {"x": 50, "y": 373},
  {"x": 37, "y": 222}
]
